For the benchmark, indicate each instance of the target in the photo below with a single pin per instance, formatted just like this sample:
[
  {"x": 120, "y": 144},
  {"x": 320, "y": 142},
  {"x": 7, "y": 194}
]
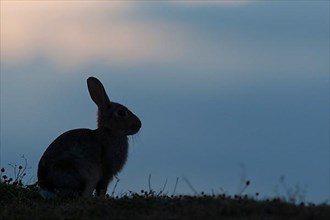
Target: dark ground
[{"x": 19, "y": 202}]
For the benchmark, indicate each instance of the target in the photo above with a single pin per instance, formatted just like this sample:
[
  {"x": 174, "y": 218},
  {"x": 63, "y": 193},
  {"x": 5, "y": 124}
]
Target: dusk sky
[{"x": 227, "y": 91}]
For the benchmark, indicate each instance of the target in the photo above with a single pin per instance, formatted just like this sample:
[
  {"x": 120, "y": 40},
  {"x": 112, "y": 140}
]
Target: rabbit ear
[{"x": 97, "y": 92}]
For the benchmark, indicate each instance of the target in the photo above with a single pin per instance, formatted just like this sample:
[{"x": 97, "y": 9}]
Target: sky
[{"x": 227, "y": 91}]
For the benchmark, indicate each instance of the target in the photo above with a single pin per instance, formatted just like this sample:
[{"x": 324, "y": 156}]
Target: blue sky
[{"x": 225, "y": 90}]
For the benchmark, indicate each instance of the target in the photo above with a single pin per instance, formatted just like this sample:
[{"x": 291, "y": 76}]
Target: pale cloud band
[{"x": 73, "y": 33}]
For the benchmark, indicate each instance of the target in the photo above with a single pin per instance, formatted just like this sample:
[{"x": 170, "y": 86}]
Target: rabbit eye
[{"x": 122, "y": 113}]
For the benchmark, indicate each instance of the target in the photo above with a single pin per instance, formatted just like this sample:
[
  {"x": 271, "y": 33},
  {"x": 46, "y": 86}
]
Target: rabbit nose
[
  {"x": 138, "y": 124},
  {"x": 134, "y": 127}
]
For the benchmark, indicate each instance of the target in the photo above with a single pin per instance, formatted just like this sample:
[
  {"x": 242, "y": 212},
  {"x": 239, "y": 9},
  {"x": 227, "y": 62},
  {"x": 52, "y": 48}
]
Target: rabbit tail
[{"x": 64, "y": 182}]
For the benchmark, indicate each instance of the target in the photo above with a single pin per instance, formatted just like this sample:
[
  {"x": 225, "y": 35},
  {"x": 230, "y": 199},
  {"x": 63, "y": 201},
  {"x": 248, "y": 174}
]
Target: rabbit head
[{"x": 112, "y": 115}]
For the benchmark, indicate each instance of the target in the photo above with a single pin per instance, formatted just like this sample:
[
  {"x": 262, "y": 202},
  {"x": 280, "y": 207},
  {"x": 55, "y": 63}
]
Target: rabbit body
[{"x": 82, "y": 160}]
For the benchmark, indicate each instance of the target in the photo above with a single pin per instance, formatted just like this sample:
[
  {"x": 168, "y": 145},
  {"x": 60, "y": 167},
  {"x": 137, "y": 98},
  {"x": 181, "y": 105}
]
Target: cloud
[
  {"x": 211, "y": 3},
  {"x": 73, "y": 33}
]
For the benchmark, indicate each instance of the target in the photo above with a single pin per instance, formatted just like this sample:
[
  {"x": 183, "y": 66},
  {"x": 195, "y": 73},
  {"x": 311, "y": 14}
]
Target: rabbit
[{"x": 82, "y": 161}]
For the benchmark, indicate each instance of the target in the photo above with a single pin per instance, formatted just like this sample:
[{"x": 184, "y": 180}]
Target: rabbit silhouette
[{"x": 82, "y": 161}]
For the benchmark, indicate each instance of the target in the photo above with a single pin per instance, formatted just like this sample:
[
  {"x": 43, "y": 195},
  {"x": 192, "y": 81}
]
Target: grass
[
  {"x": 19, "y": 201},
  {"x": 23, "y": 202}
]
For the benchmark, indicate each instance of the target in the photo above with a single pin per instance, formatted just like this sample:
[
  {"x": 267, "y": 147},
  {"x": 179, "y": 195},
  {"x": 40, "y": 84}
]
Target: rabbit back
[{"x": 72, "y": 164}]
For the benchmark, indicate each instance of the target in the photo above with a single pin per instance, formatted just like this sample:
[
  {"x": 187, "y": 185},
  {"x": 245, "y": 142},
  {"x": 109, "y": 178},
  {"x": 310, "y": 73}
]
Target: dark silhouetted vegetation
[{"x": 20, "y": 201}]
